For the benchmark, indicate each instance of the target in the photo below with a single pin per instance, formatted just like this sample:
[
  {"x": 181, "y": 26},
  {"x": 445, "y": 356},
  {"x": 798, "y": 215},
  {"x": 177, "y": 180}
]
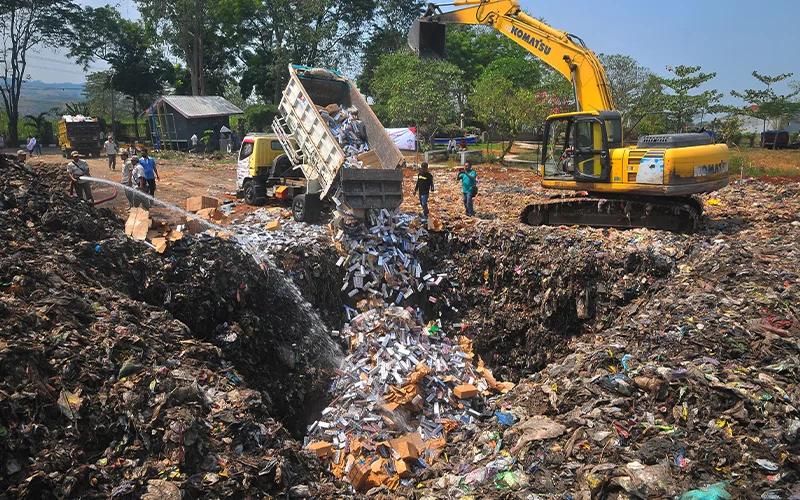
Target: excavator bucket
[{"x": 427, "y": 39}]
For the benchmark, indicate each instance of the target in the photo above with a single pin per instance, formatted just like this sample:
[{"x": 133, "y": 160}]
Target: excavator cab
[{"x": 576, "y": 146}]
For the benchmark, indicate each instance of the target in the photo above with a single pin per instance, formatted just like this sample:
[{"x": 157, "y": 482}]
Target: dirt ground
[{"x": 503, "y": 191}]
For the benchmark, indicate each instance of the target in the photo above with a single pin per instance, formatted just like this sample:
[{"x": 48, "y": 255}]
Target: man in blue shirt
[
  {"x": 150, "y": 172},
  {"x": 469, "y": 186}
]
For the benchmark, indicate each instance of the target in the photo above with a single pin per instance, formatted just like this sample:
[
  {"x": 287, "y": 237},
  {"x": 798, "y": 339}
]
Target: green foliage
[
  {"x": 684, "y": 101},
  {"x": 522, "y": 72},
  {"x": 267, "y": 35},
  {"x": 393, "y": 19},
  {"x": 418, "y": 92},
  {"x": 98, "y": 93},
  {"x": 41, "y": 126},
  {"x": 259, "y": 116},
  {"x": 729, "y": 129},
  {"x": 206, "y": 138},
  {"x": 139, "y": 68},
  {"x": 507, "y": 107},
  {"x": 636, "y": 91},
  {"x": 765, "y": 104},
  {"x": 473, "y": 49}
]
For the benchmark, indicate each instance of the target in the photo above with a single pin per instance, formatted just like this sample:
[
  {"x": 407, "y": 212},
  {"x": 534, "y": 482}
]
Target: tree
[
  {"x": 684, "y": 102},
  {"x": 41, "y": 124},
  {"x": 765, "y": 104},
  {"x": 507, "y": 107},
  {"x": 636, "y": 91},
  {"x": 417, "y": 92},
  {"x": 267, "y": 35},
  {"x": 139, "y": 69},
  {"x": 474, "y": 48},
  {"x": 99, "y": 93},
  {"x": 187, "y": 26},
  {"x": 389, "y": 33},
  {"x": 25, "y": 25}
]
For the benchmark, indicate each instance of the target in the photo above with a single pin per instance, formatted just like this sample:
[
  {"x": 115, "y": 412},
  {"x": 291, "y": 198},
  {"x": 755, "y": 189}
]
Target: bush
[{"x": 259, "y": 117}]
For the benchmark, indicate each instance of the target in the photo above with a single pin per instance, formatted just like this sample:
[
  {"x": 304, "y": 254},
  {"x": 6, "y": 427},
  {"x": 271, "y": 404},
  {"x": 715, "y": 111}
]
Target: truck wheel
[{"x": 252, "y": 194}]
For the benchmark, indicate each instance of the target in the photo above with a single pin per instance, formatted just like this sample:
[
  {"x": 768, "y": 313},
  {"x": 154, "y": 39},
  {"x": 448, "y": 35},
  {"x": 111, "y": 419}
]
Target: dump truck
[
  {"x": 264, "y": 171},
  {"x": 356, "y": 184},
  {"x": 79, "y": 133}
]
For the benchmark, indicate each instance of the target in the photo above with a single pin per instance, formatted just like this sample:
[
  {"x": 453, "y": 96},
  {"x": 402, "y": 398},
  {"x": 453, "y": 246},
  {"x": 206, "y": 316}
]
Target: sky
[{"x": 729, "y": 37}]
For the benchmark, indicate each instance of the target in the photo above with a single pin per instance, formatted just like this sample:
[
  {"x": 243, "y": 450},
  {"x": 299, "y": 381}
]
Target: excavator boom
[
  {"x": 650, "y": 185},
  {"x": 560, "y": 50}
]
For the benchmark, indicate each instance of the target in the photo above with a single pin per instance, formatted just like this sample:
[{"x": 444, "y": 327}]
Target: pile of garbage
[
  {"x": 348, "y": 130},
  {"x": 405, "y": 386},
  {"x": 128, "y": 373},
  {"x": 663, "y": 365}
]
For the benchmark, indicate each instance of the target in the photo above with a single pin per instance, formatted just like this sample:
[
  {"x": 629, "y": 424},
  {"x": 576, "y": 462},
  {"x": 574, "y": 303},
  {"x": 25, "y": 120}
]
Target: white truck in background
[{"x": 312, "y": 147}]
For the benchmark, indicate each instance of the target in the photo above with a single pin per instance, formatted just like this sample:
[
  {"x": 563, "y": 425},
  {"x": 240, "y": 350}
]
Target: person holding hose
[{"x": 76, "y": 169}]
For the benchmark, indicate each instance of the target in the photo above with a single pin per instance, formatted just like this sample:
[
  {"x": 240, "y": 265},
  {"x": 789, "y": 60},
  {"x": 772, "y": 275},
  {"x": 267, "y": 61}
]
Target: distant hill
[{"x": 38, "y": 97}]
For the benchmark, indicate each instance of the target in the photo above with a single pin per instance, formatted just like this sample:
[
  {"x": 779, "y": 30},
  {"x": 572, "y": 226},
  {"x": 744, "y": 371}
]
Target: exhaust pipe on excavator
[{"x": 427, "y": 39}]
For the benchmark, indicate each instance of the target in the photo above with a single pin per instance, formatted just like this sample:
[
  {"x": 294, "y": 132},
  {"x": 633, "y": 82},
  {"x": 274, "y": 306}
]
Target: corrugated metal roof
[{"x": 201, "y": 106}]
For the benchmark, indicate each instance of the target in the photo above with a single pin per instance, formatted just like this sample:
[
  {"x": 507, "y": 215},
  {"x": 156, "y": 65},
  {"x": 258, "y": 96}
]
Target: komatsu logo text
[{"x": 536, "y": 43}]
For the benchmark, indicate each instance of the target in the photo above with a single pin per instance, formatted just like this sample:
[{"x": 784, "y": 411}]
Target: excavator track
[{"x": 670, "y": 214}]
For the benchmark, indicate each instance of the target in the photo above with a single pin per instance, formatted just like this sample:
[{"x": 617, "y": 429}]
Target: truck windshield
[{"x": 246, "y": 151}]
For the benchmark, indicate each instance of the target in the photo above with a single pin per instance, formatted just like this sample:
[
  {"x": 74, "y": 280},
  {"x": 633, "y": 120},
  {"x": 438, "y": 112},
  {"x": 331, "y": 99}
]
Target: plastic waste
[
  {"x": 504, "y": 418},
  {"x": 715, "y": 491}
]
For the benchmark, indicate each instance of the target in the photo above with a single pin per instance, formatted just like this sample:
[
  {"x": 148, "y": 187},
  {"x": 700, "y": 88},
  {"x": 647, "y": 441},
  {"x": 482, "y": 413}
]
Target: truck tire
[
  {"x": 306, "y": 208},
  {"x": 253, "y": 195}
]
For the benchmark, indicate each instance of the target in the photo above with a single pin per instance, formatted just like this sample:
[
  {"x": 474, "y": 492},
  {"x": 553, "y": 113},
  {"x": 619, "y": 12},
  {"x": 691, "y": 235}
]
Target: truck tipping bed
[{"x": 309, "y": 142}]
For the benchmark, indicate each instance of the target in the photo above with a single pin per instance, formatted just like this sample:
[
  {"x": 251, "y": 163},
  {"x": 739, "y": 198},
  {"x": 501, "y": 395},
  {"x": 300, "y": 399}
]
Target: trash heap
[
  {"x": 128, "y": 374},
  {"x": 348, "y": 129},
  {"x": 650, "y": 364},
  {"x": 405, "y": 386}
]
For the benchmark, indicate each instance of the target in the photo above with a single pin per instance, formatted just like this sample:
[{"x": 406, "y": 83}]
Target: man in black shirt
[{"x": 424, "y": 187}]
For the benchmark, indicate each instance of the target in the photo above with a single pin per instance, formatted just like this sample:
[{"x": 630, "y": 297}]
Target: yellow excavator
[{"x": 650, "y": 185}]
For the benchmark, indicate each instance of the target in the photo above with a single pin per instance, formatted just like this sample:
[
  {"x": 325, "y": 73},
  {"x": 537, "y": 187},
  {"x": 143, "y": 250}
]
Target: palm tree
[{"x": 41, "y": 124}]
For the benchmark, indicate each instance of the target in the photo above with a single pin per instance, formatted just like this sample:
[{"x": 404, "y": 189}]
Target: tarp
[{"x": 404, "y": 138}]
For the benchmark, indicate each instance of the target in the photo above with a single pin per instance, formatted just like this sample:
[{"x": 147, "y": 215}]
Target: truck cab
[{"x": 262, "y": 166}]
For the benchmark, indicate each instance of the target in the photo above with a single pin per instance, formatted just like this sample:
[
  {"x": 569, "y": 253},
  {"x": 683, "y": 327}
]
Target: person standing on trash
[
  {"x": 424, "y": 187},
  {"x": 469, "y": 187},
  {"x": 76, "y": 169},
  {"x": 150, "y": 172},
  {"x": 127, "y": 176},
  {"x": 111, "y": 151}
]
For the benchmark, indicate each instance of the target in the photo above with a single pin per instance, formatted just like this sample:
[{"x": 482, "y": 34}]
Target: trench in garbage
[{"x": 521, "y": 312}]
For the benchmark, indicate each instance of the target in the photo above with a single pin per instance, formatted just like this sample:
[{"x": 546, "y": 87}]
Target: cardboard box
[
  {"x": 196, "y": 203},
  {"x": 194, "y": 226},
  {"x": 273, "y": 225},
  {"x": 138, "y": 224},
  {"x": 465, "y": 391},
  {"x": 359, "y": 476},
  {"x": 402, "y": 468},
  {"x": 160, "y": 243},
  {"x": 407, "y": 447},
  {"x": 212, "y": 214},
  {"x": 322, "y": 449}
]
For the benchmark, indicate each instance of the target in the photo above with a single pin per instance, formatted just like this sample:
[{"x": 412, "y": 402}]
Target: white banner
[{"x": 404, "y": 138}]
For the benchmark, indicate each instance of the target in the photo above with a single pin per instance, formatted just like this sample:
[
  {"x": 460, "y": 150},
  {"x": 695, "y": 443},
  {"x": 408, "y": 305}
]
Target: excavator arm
[{"x": 562, "y": 51}]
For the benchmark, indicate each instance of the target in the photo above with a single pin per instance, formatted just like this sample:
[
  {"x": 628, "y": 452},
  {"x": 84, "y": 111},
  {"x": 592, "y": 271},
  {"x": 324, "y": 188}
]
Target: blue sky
[{"x": 731, "y": 38}]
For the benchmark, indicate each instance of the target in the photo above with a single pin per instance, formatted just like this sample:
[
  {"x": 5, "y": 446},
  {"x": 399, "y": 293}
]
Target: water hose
[{"x": 105, "y": 200}]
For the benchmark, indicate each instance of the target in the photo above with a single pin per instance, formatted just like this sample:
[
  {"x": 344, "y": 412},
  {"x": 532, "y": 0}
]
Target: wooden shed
[{"x": 173, "y": 119}]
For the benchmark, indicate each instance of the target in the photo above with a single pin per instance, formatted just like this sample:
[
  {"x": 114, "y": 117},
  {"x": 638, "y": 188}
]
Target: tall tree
[
  {"x": 416, "y": 92},
  {"x": 267, "y": 35},
  {"x": 25, "y": 25},
  {"x": 474, "y": 48},
  {"x": 766, "y": 104},
  {"x": 389, "y": 33},
  {"x": 139, "y": 69},
  {"x": 186, "y": 26},
  {"x": 685, "y": 101},
  {"x": 99, "y": 92},
  {"x": 636, "y": 91},
  {"x": 507, "y": 107}
]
